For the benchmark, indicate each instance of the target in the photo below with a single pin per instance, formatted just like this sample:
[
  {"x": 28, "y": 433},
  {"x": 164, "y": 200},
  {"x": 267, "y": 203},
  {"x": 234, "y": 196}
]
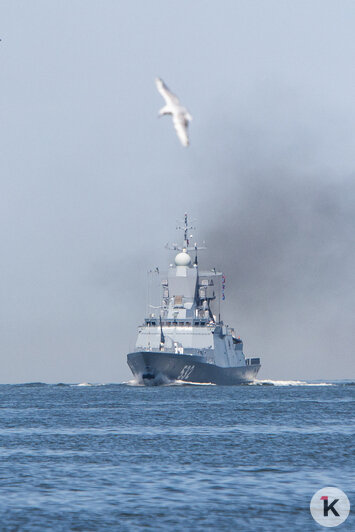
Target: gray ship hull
[{"x": 156, "y": 367}]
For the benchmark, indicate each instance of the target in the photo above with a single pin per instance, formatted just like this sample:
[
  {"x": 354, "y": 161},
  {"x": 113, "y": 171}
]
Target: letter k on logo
[
  {"x": 330, "y": 507},
  {"x": 327, "y": 507}
]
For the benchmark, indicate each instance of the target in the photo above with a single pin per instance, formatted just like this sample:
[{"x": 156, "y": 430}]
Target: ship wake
[{"x": 271, "y": 382}]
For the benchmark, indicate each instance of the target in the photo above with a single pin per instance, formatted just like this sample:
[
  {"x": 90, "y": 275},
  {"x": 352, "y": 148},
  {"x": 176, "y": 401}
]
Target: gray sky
[{"x": 92, "y": 182}]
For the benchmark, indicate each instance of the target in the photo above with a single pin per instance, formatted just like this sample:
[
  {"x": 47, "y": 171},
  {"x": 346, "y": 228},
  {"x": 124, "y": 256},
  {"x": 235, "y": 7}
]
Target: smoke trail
[{"x": 281, "y": 225}]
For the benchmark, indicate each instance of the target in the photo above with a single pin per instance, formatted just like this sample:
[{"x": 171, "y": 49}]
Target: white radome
[{"x": 182, "y": 259}]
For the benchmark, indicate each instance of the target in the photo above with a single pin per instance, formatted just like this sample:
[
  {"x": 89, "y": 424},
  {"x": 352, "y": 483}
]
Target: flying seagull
[{"x": 181, "y": 117}]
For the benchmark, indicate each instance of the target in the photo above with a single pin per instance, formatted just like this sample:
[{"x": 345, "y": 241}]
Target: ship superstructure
[{"x": 184, "y": 338}]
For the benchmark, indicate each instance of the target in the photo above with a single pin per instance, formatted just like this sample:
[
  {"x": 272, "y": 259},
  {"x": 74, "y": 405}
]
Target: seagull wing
[
  {"x": 168, "y": 96},
  {"x": 180, "y": 124}
]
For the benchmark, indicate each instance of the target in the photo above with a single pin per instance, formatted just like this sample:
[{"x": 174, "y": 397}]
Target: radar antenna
[{"x": 186, "y": 228}]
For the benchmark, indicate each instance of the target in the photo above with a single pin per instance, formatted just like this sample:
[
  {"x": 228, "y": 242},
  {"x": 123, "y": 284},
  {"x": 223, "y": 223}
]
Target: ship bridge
[{"x": 187, "y": 295}]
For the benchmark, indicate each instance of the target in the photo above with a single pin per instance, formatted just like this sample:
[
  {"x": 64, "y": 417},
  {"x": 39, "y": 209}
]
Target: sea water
[{"x": 183, "y": 457}]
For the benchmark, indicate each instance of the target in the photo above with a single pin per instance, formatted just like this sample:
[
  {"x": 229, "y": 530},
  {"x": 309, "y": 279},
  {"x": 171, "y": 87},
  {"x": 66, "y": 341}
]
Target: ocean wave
[
  {"x": 32, "y": 384},
  {"x": 90, "y": 384}
]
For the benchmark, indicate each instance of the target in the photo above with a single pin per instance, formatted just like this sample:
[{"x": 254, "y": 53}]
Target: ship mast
[
  {"x": 186, "y": 227},
  {"x": 207, "y": 284}
]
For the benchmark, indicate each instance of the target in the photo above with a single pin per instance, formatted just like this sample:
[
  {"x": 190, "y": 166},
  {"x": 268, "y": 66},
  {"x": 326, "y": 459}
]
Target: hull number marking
[{"x": 185, "y": 373}]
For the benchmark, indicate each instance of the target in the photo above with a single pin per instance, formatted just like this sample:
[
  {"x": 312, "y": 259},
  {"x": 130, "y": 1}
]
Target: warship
[{"x": 183, "y": 338}]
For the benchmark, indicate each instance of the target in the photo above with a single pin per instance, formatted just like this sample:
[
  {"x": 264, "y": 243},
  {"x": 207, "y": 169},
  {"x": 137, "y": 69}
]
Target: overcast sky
[{"x": 92, "y": 182}]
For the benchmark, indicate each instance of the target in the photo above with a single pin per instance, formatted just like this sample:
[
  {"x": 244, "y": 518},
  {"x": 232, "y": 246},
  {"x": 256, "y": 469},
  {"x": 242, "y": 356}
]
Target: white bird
[{"x": 181, "y": 117}]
